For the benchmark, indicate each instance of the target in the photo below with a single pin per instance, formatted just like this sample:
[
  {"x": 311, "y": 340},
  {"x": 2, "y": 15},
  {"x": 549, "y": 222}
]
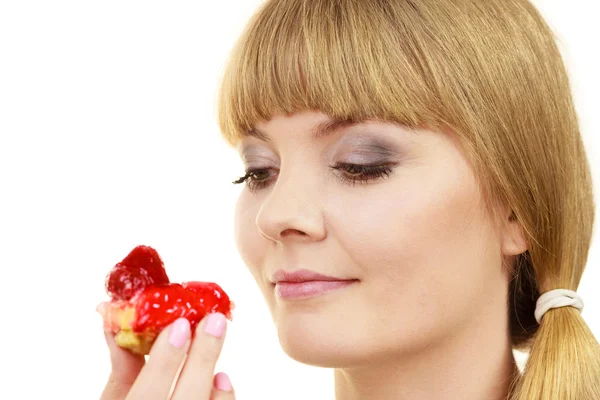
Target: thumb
[{"x": 125, "y": 367}]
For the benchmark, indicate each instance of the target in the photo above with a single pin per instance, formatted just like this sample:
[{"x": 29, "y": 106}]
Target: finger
[
  {"x": 125, "y": 367},
  {"x": 156, "y": 378},
  {"x": 222, "y": 389},
  {"x": 196, "y": 379}
]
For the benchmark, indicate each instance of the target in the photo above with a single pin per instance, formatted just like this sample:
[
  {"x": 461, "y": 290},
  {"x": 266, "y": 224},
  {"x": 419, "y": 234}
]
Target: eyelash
[{"x": 358, "y": 173}]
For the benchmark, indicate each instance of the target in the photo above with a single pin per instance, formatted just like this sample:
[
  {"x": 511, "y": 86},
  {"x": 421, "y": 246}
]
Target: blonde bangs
[{"x": 326, "y": 56}]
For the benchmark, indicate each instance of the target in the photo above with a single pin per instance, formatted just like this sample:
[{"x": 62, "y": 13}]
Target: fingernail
[
  {"x": 215, "y": 324},
  {"x": 180, "y": 332},
  {"x": 222, "y": 382}
]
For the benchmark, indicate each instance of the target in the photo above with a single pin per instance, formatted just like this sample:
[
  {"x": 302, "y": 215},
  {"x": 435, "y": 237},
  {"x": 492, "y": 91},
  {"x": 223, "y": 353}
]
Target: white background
[{"x": 108, "y": 139}]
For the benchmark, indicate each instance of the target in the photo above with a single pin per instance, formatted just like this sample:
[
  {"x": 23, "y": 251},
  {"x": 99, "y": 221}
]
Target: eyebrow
[{"x": 320, "y": 130}]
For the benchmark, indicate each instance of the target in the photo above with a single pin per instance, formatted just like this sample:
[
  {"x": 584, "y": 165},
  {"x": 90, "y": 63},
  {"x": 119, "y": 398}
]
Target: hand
[{"x": 132, "y": 378}]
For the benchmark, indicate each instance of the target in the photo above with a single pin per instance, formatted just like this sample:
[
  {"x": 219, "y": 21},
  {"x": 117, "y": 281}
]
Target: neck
[{"x": 475, "y": 364}]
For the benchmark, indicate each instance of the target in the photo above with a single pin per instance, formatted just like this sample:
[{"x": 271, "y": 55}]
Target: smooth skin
[
  {"x": 132, "y": 378},
  {"x": 427, "y": 318}
]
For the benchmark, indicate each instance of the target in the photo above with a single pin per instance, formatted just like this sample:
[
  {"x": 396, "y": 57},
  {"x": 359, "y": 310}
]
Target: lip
[
  {"x": 302, "y": 275},
  {"x": 302, "y": 284}
]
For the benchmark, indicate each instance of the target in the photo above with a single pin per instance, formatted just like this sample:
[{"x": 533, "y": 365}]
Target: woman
[{"x": 418, "y": 204}]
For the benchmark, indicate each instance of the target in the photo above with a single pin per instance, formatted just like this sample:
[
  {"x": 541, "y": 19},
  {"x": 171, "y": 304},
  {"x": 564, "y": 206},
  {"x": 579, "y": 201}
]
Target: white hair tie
[{"x": 557, "y": 298}]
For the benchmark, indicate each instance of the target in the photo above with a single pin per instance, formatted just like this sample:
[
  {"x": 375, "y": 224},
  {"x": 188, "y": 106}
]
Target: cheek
[
  {"x": 250, "y": 244},
  {"x": 422, "y": 240}
]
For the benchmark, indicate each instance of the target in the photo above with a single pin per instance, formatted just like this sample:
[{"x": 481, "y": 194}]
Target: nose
[{"x": 292, "y": 212}]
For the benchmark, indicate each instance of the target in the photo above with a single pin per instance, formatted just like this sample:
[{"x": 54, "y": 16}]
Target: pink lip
[{"x": 304, "y": 283}]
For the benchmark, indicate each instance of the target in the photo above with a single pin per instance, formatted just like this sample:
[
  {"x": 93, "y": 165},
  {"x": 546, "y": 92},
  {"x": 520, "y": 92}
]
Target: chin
[
  {"x": 309, "y": 340},
  {"x": 306, "y": 348},
  {"x": 335, "y": 340}
]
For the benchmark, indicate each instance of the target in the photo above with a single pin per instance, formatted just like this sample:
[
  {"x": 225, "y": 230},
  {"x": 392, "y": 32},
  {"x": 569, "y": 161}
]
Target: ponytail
[{"x": 564, "y": 360}]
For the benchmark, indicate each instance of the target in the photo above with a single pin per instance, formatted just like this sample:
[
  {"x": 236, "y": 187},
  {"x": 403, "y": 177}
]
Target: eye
[
  {"x": 255, "y": 179},
  {"x": 260, "y": 178},
  {"x": 353, "y": 173}
]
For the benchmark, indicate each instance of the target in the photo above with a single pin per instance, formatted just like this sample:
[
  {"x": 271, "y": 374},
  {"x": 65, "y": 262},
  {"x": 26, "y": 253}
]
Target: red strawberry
[
  {"x": 143, "y": 302},
  {"x": 158, "y": 306},
  {"x": 138, "y": 321},
  {"x": 212, "y": 296},
  {"x": 142, "y": 267}
]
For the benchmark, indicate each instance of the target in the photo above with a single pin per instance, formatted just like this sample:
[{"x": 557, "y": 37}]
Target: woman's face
[{"x": 420, "y": 257}]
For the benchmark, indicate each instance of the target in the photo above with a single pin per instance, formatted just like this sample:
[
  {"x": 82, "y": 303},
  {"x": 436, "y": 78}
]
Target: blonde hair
[{"x": 488, "y": 70}]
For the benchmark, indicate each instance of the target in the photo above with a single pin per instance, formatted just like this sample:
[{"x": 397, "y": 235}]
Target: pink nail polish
[
  {"x": 215, "y": 324},
  {"x": 180, "y": 332},
  {"x": 222, "y": 382}
]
